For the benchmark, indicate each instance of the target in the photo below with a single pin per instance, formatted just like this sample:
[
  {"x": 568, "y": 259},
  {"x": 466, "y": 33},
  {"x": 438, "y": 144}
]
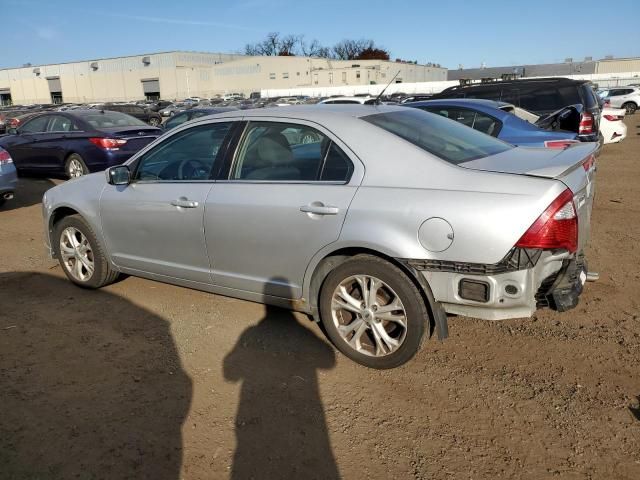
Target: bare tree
[
  {"x": 287, "y": 45},
  {"x": 313, "y": 48}
]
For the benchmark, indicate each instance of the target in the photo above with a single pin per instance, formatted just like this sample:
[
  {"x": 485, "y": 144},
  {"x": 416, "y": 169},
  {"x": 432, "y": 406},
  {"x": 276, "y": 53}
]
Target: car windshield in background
[
  {"x": 444, "y": 138},
  {"x": 109, "y": 119}
]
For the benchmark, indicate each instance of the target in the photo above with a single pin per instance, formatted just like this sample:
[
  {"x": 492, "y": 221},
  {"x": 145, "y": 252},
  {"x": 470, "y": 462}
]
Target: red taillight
[
  {"x": 586, "y": 124},
  {"x": 5, "y": 157},
  {"x": 589, "y": 163},
  {"x": 559, "y": 143},
  {"x": 557, "y": 227},
  {"x": 108, "y": 143},
  {"x": 613, "y": 118}
]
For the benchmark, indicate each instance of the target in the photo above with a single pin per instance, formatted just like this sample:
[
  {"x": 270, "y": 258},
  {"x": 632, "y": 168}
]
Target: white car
[
  {"x": 612, "y": 127},
  {"x": 622, "y": 97},
  {"x": 348, "y": 100}
]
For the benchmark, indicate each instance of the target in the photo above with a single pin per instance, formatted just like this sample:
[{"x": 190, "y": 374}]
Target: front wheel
[
  {"x": 630, "y": 107},
  {"x": 373, "y": 312},
  {"x": 75, "y": 166},
  {"x": 154, "y": 122},
  {"x": 80, "y": 255}
]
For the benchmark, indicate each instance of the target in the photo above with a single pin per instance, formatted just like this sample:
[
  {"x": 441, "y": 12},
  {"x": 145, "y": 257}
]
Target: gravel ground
[{"x": 145, "y": 380}]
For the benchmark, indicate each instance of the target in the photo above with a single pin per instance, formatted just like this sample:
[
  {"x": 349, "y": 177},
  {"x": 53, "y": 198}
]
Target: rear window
[
  {"x": 444, "y": 138},
  {"x": 108, "y": 119}
]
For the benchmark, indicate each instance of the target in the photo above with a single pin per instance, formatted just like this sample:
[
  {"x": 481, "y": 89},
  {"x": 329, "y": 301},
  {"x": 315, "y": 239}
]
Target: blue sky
[{"x": 497, "y": 32}]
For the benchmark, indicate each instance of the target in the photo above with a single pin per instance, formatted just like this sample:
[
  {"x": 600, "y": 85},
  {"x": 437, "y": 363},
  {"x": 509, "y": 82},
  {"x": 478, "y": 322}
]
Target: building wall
[
  {"x": 620, "y": 65},
  {"x": 185, "y": 74},
  {"x": 180, "y": 74},
  {"x": 264, "y": 73},
  {"x": 540, "y": 70}
]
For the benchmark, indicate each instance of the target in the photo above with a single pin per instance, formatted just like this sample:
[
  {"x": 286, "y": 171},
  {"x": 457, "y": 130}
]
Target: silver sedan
[{"x": 377, "y": 220}]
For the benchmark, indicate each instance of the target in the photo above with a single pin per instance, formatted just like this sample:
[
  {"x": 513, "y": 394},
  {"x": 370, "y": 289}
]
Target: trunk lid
[
  {"x": 567, "y": 118},
  {"x": 574, "y": 166},
  {"x": 136, "y": 137}
]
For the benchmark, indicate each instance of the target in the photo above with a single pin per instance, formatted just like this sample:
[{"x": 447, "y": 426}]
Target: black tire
[
  {"x": 103, "y": 274},
  {"x": 71, "y": 166},
  {"x": 154, "y": 122},
  {"x": 417, "y": 316},
  {"x": 630, "y": 107}
]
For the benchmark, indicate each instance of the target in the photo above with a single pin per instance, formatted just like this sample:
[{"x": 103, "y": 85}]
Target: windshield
[
  {"x": 444, "y": 138},
  {"x": 108, "y": 119}
]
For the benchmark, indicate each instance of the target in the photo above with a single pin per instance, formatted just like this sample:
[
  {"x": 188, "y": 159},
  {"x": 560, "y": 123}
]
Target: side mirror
[{"x": 118, "y": 175}]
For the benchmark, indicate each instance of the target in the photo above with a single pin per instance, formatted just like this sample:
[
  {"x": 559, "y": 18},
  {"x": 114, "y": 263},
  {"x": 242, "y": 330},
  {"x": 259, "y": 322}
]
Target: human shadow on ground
[
  {"x": 635, "y": 411},
  {"x": 280, "y": 426},
  {"x": 28, "y": 192},
  {"x": 91, "y": 385}
]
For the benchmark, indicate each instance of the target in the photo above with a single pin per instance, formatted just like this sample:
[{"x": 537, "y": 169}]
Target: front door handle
[
  {"x": 184, "y": 203},
  {"x": 318, "y": 208}
]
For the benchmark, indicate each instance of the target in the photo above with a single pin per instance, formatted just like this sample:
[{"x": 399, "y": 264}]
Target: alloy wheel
[
  {"x": 369, "y": 315},
  {"x": 77, "y": 254},
  {"x": 75, "y": 168}
]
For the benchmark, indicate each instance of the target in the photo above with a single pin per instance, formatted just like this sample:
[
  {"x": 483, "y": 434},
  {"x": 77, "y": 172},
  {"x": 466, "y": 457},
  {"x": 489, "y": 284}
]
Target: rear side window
[
  {"x": 277, "y": 152},
  {"x": 109, "y": 119},
  {"x": 471, "y": 118},
  {"x": 439, "y": 136}
]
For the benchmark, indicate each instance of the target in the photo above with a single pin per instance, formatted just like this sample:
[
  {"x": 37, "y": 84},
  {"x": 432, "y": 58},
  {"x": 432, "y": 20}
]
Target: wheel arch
[
  {"x": 437, "y": 316},
  {"x": 58, "y": 214}
]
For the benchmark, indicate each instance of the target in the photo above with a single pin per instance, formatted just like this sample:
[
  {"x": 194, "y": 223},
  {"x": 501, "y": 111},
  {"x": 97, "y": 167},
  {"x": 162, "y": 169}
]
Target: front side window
[
  {"x": 447, "y": 140},
  {"x": 272, "y": 151},
  {"x": 186, "y": 156},
  {"x": 36, "y": 125}
]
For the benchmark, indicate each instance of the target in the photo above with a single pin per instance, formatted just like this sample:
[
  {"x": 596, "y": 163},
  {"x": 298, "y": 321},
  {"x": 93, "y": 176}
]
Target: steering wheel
[{"x": 199, "y": 170}]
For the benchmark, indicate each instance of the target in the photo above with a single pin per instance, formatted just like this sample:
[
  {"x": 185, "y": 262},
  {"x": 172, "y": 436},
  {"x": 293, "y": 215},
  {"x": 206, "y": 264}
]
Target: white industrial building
[{"x": 178, "y": 75}]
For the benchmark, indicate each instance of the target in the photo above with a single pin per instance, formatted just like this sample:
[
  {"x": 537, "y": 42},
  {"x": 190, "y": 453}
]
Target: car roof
[
  {"x": 315, "y": 113},
  {"x": 554, "y": 80},
  {"x": 462, "y": 102}
]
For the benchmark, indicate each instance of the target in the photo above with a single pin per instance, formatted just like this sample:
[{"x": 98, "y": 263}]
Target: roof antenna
[{"x": 377, "y": 101}]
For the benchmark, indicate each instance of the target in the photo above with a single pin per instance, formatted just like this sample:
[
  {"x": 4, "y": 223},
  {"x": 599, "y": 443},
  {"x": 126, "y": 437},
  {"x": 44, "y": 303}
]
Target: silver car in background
[
  {"x": 383, "y": 223},
  {"x": 8, "y": 176}
]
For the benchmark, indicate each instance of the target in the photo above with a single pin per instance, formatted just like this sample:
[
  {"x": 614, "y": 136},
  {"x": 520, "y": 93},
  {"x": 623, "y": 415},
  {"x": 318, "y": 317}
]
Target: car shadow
[
  {"x": 28, "y": 192},
  {"x": 280, "y": 425},
  {"x": 92, "y": 385}
]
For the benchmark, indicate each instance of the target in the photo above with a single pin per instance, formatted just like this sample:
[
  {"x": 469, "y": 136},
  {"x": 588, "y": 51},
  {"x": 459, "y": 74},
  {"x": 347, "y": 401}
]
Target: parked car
[
  {"x": 8, "y": 176},
  {"x": 174, "y": 108},
  {"x": 348, "y": 101},
  {"x": 612, "y": 127},
  {"x": 159, "y": 105},
  {"x": 192, "y": 114},
  {"x": 76, "y": 142},
  {"x": 622, "y": 97},
  {"x": 501, "y": 120},
  {"x": 462, "y": 224},
  {"x": 233, "y": 96},
  {"x": 541, "y": 96},
  {"x": 141, "y": 113}
]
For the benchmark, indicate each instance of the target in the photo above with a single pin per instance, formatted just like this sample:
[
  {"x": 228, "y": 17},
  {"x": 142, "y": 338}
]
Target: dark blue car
[
  {"x": 76, "y": 142},
  {"x": 500, "y": 120}
]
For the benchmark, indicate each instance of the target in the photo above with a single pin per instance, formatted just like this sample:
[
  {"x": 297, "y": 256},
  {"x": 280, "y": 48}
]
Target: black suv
[
  {"x": 141, "y": 113},
  {"x": 540, "y": 96}
]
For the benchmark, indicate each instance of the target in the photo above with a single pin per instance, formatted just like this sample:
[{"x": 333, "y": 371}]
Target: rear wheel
[
  {"x": 630, "y": 107},
  {"x": 373, "y": 312},
  {"x": 75, "y": 166},
  {"x": 154, "y": 122},
  {"x": 81, "y": 256}
]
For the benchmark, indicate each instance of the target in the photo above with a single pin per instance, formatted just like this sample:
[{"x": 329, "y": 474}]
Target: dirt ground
[{"x": 149, "y": 381}]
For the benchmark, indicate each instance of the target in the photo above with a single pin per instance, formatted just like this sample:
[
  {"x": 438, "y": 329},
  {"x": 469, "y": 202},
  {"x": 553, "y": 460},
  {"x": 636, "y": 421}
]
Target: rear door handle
[
  {"x": 320, "y": 209},
  {"x": 184, "y": 203}
]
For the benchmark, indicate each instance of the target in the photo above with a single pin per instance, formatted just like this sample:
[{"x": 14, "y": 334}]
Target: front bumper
[{"x": 514, "y": 288}]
